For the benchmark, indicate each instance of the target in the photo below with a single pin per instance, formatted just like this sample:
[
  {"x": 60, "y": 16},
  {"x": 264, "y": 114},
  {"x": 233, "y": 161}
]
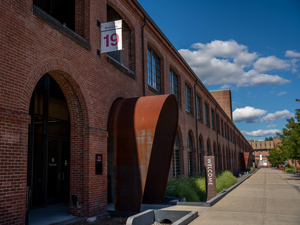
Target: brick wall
[{"x": 31, "y": 45}]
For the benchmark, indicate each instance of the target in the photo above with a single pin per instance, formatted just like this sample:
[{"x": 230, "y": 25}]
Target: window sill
[
  {"x": 154, "y": 90},
  {"x": 189, "y": 113},
  {"x": 199, "y": 120},
  {"x": 39, "y": 13},
  {"x": 120, "y": 67}
]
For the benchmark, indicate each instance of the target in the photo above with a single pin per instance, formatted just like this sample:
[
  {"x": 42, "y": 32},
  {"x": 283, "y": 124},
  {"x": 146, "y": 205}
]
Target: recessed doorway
[{"x": 48, "y": 180}]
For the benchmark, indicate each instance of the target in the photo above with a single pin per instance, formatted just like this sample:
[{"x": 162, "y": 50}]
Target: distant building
[{"x": 261, "y": 151}]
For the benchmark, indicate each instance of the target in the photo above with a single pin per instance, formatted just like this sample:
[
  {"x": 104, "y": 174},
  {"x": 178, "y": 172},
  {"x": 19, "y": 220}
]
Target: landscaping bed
[{"x": 193, "y": 188}]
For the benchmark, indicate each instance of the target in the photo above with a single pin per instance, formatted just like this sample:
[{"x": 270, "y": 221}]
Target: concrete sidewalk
[{"x": 269, "y": 196}]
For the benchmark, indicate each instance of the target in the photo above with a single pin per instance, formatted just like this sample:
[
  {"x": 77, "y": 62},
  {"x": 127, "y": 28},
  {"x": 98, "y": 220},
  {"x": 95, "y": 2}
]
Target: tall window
[
  {"x": 63, "y": 11},
  {"x": 188, "y": 99},
  {"x": 208, "y": 148},
  {"x": 198, "y": 106},
  {"x": 222, "y": 128},
  {"x": 190, "y": 154},
  {"x": 153, "y": 70},
  {"x": 201, "y": 162},
  {"x": 176, "y": 157},
  {"x": 212, "y": 119},
  {"x": 123, "y": 57},
  {"x": 206, "y": 114},
  {"x": 219, "y": 158},
  {"x": 174, "y": 84},
  {"x": 218, "y": 123}
]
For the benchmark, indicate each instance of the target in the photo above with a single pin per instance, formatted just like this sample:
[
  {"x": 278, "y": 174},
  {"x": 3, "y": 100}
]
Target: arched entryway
[
  {"x": 48, "y": 174},
  {"x": 49, "y": 145}
]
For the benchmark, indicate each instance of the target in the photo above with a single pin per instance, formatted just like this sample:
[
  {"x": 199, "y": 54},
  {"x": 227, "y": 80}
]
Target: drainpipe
[
  {"x": 197, "y": 147},
  {"x": 143, "y": 55},
  {"x": 217, "y": 137},
  {"x": 229, "y": 161},
  {"x": 235, "y": 150}
]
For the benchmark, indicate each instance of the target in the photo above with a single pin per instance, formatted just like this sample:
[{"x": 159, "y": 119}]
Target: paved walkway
[{"x": 269, "y": 196}]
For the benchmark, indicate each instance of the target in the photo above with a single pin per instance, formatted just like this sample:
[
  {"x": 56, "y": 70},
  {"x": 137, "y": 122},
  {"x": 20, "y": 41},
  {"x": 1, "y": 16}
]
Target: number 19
[{"x": 114, "y": 38}]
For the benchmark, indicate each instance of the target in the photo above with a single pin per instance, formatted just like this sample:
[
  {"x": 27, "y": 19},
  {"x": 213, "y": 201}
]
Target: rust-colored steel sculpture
[
  {"x": 144, "y": 131},
  {"x": 244, "y": 160}
]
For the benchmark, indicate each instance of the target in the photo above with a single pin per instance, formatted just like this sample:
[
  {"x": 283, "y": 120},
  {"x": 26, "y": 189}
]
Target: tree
[
  {"x": 269, "y": 139},
  {"x": 276, "y": 156},
  {"x": 290, "y": 137}
]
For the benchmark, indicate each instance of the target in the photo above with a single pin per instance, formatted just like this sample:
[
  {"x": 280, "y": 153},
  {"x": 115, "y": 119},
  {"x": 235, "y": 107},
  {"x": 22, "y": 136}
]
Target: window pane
[
  {"x": 174, "y": 84},
  {"x": 198, "y": 105},
  {"x": 188, "y": 99},
  {"x": 153, "y": 69},
  {"x": 212, "y": 119},
  {"x": 206, "y": 115},
  {"x": 176, "y": 157},
  {"x": 190, "y": 154}
]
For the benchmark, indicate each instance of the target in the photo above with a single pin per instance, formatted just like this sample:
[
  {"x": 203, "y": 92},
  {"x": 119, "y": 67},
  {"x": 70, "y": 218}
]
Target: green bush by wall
[{"x": 193, "y": 188}]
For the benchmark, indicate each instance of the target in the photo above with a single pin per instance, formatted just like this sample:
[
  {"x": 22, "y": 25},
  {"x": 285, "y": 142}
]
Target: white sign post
[{"x": 111, "y": 36}]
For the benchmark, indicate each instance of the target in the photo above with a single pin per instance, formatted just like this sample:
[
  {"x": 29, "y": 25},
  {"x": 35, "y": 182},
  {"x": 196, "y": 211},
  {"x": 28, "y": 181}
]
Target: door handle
[{"x": 61, "y": 176}]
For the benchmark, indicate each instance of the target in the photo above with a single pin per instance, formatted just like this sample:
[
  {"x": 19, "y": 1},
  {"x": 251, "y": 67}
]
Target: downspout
[
  {"x": 143, "y": 55},
  {"x": 217, "y": 138},
  {"x": 228, "y": 160},
  {"x": 197, "y": 147},
  {"x": 235, "y": 151}
]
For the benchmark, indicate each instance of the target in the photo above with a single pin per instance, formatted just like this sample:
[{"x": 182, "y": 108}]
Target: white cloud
[
  {"x": 294, "y": 63},
  {"x": 272, "y": 125},
  {"x": 261, "y": 133},
  {"x": 248, "y": 114},
  {"x": 292, "y": 54},
  {"x": 270, "y": 63},
  {"x": 262, "y": 79},
  {"x": 227, "y": 63},
  {"x": 284, "y": 114},
  {"x": 225, "y": 86},
  {"x": 282, "y": 93}
]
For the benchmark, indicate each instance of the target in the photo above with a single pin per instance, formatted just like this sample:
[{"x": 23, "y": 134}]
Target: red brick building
[
  {"x": 56, "y": 92},
  {"x": 261, "y": 151}
]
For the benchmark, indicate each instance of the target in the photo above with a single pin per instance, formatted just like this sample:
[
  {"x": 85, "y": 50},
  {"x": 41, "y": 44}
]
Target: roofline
[{"x": 183, "y": 60}]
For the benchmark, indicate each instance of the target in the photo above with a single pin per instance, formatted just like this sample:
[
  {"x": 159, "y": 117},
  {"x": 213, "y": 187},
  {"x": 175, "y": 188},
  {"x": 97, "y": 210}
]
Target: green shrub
[
  {"x": 180, "y": 187},
  {"x": 224, "y": 180},
  {"x": 289, "y": 170},
  {"x": 193, "y": 189}
]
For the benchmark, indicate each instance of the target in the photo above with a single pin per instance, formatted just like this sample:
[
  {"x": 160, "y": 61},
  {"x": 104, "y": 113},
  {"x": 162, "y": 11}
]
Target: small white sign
[
  {"x": 111, "y": 36},
  {"x": 260, "y": 157}
]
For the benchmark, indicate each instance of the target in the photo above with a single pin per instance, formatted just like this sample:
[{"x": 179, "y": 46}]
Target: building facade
[
  {"x": 261, "y": 151},
  {"x": 56, "y": 94}
]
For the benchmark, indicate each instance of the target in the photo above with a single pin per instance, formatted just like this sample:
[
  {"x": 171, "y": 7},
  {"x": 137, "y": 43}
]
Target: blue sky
[{"x": 251, "y": 47}]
